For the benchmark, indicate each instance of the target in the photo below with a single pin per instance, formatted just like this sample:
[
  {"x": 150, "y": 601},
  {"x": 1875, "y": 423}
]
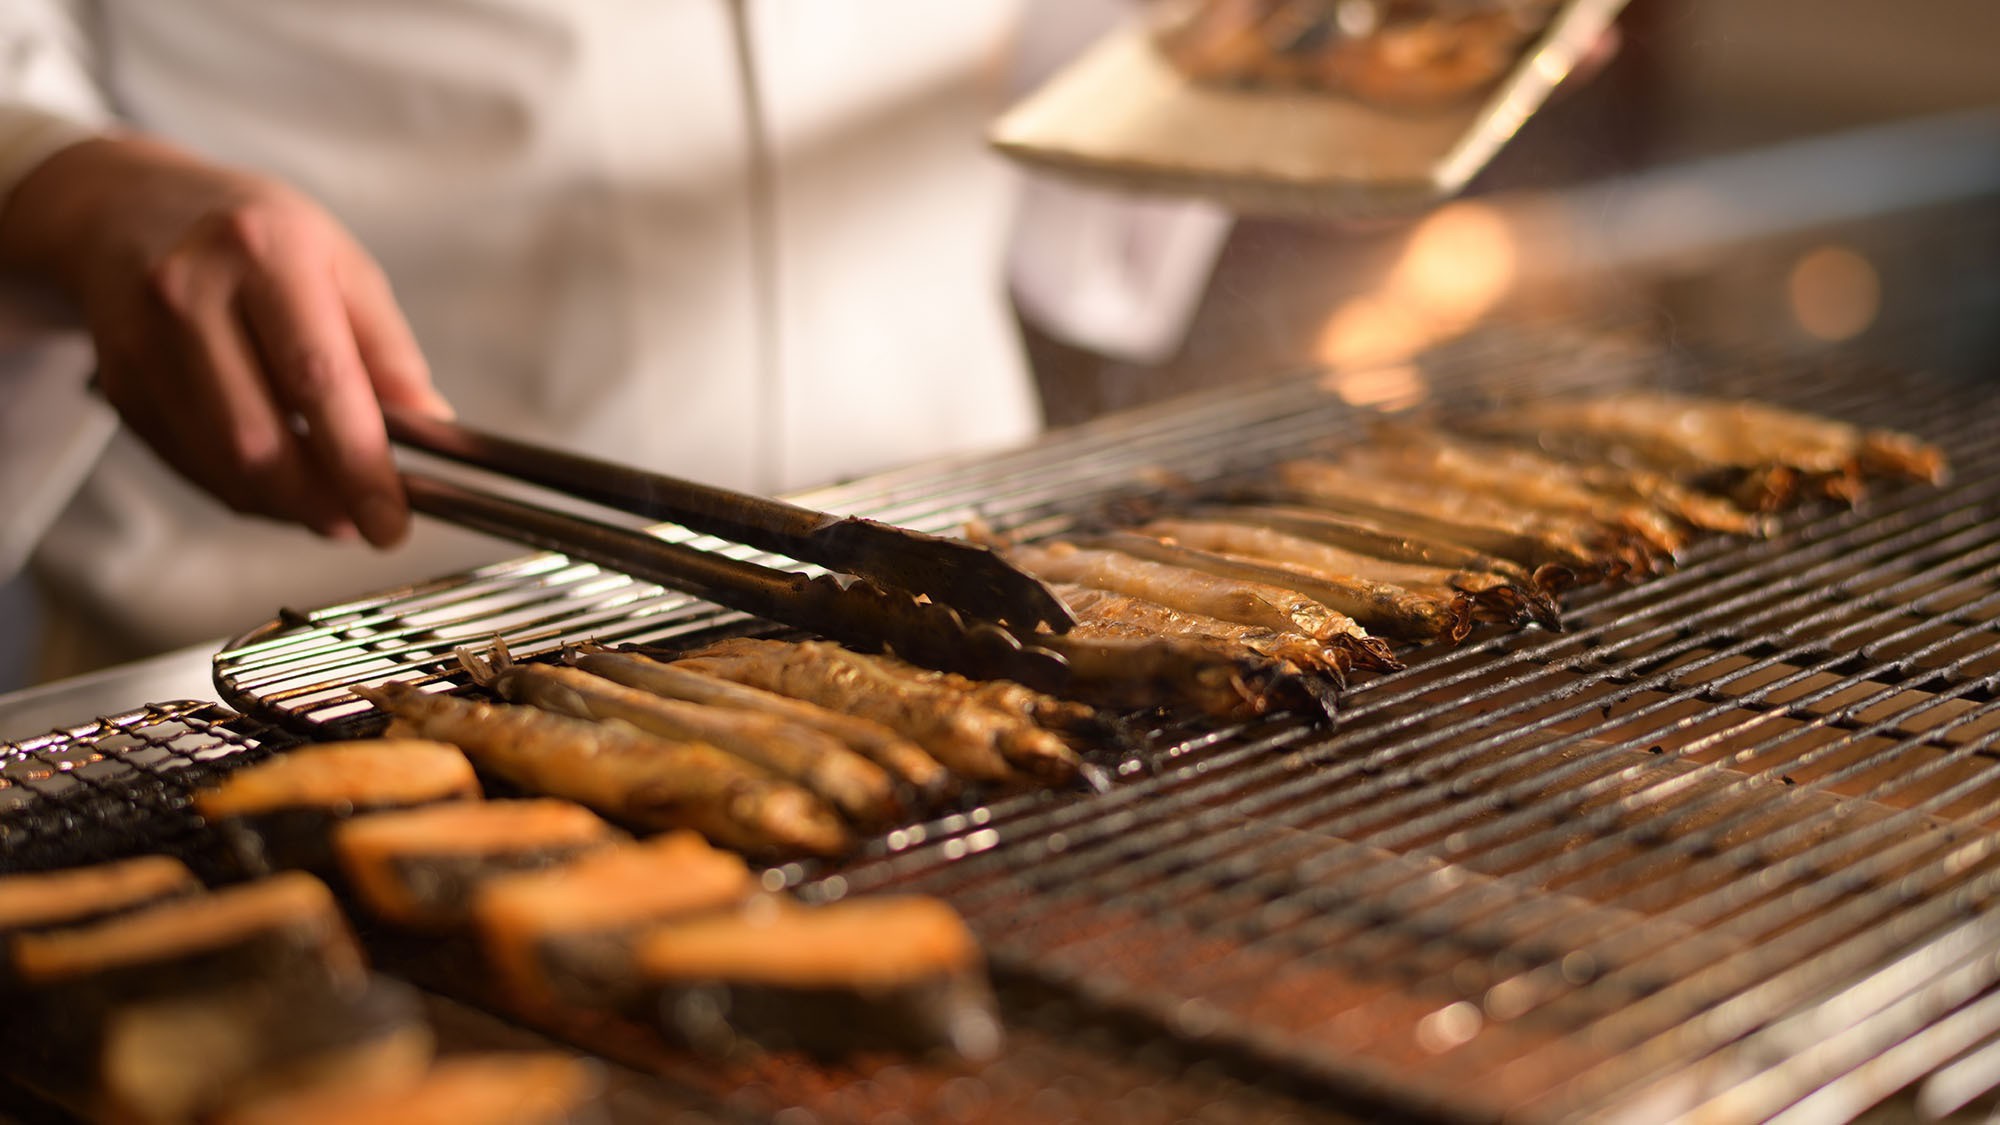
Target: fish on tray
[{"x": 630, "y": 775}]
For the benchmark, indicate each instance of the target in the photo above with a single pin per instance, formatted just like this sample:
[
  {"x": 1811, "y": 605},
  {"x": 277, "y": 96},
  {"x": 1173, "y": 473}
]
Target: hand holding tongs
[{"x": 966, "y": 588}]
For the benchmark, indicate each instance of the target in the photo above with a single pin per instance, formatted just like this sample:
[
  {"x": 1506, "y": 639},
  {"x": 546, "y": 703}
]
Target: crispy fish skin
[
  {"x": 1693, "y": 508},
  {"x": 860, "y": 789},
  {"x": 625, "y": 773},
  {"x": 1365, "y": 537},
  {"x": 1027, "y": 747},
  {"x": 908, "y": 762},
  {"x": 1388, "y": 609},
  {"x": 1217, "y": 677},
  {"x": 1101, "y": 613},
  {"x": 1766, "y": 451},
  {"x": 1558, "y": 558},
  {"x": 1248, "y": 603},
  {"x": 1526, "y": 489},
  {"x": 1495, "y": 597},
  {"x": 963, "y": 735},
  {"x": 1469, "y": 506}
]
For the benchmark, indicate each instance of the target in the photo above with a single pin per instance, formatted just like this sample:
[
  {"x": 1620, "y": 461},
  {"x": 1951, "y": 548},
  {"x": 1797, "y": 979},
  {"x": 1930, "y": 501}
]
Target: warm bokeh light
[
  {"x": 1834, "y": 293},
  {"x": 1370, "y": 331},
  {"x": 1394, "y": 387},
  {"x": 1458, "y": 263}
]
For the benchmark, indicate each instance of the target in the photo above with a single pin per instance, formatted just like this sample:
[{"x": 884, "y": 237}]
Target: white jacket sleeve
[
  {"x": 49, "y": 93},
  {"x": 51, "y": 429}
]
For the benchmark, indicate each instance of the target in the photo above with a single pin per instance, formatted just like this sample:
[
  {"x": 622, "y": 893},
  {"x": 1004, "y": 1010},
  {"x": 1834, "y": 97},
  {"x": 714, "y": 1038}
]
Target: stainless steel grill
[{"x": 1725, "y": 844}]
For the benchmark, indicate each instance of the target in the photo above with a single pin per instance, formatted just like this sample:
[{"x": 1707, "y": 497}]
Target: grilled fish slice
[
  {"x": 1495, "y": 597},
  {"x": 625, "y": 773},
  {"x": 966, "y": 736},
  {"x": 1764, "y": 453},
  {"x": 907, "y": 761},
  {"x": 860, "y": 789}
]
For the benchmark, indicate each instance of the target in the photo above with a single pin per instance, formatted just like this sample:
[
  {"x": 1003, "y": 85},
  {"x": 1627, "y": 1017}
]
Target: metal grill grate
[
  {"x": 120, "y": 785},
  {"x": 1725, "y": 842}
]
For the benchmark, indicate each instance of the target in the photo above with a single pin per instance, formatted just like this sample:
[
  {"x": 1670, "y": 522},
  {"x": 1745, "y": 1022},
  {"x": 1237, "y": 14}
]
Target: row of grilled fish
[
  {"x": 1315, "y": 571},
  {"x": 1417, "y": 534},
  {"x": 772, "y": 747}
]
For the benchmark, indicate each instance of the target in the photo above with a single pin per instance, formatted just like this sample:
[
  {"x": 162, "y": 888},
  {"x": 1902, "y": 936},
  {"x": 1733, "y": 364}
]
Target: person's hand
[{"x": 240, "y": 330}]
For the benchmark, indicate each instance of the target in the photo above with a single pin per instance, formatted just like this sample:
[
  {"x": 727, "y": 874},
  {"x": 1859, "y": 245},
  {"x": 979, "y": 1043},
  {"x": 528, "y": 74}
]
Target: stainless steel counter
[{"x": 174, "y": 675}]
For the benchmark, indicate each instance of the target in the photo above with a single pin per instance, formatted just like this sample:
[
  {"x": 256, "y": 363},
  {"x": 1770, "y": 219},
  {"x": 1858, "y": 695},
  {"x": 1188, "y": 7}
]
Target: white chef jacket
[{"x": 557, "y": 190}]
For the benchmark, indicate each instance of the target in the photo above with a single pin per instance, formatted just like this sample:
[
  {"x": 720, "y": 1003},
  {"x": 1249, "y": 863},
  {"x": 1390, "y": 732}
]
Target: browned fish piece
[
  {"x": 1261, "y": 604},
  {"x": 1453, "y": 472},
  {"x": 1388, "y": 488},
  {"x": 1389, "y": 610},
  {"x": 1654, "y": 490},
  {"x": 1101, "y": 613},
  {"x": 1364, "y": 537},
  {"x": 964, "y": 735},
  {"x": 1558, "y": 556},
  {"x": 907, "y": 761},
  {"x": 859, "y": 788},
  {"x": 1495, "y": 597},
  {"x": 1761, "y": 455},
  {"x": 627, "y": 774}
]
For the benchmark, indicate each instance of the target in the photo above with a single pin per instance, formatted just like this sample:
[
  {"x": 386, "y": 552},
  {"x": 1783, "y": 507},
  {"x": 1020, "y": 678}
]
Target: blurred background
[{"x": 1718, "y": 122}]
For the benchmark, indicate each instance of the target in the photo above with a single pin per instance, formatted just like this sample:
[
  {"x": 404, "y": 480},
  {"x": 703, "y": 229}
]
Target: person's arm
[{"x": 239, "y": 329}]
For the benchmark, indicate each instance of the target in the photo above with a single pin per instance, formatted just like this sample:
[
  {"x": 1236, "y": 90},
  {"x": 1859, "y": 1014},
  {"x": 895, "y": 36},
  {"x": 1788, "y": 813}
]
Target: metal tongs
[{"x": 938, "y": 601}]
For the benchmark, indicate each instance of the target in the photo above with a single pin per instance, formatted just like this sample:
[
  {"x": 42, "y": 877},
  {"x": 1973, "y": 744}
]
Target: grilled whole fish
[
  {"x": 1527, "y": 490},
  {"x": 1495, "y": 597},
  {"x": 1138, "y": 668},
  {"x": 1101, "y": 613},
  {"x": 972, "y": 739},
  {"x": 1763, "y": 454},
  {"x": 1465, "y": 505},
  {"x": 908, "y": 762},
  {"x": 1558, "y": 557},
  {"x": 1247, "y": 603},
  {"x": 1687, "y": 506},
  {"x": 625, "y": 773},
  {"x": 815, "y": 761},
  {"x": 1384, "y": 608},
  {"x": 1364, "y": 537}
]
